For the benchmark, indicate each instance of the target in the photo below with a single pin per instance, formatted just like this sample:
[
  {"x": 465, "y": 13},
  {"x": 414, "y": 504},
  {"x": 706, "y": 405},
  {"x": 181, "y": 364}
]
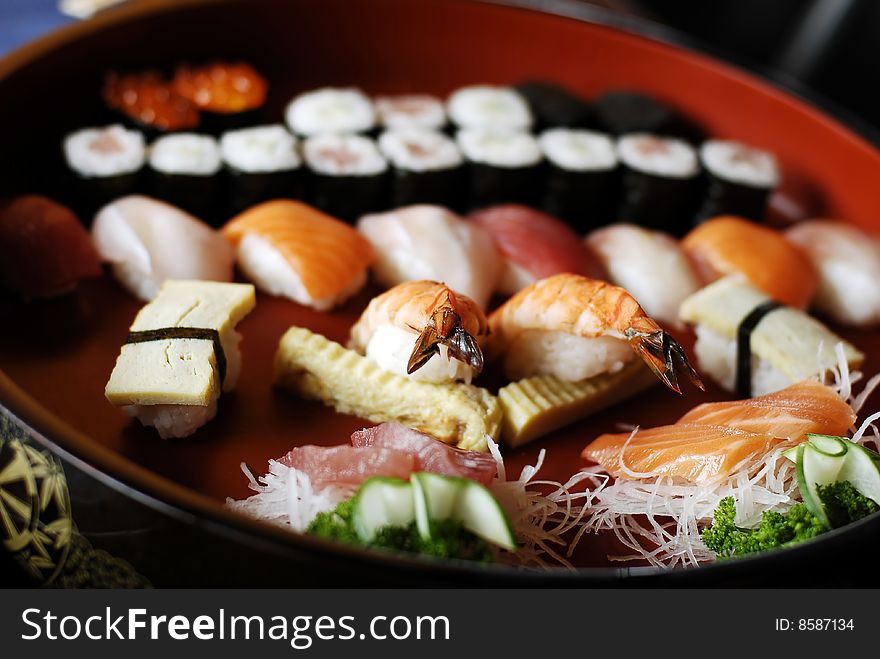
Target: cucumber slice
[
  {"x": 382, "y": 501},
  {"x": 465, "y": 501},
  {"x": 829, "y": 444},
  {"x": 862, "y": 468},
  {"x": 436, "y": 497},
  {"x": 818, "y": 467},
  {"x": 791, "y": 453},
  {"x": 480, "y": 513}
]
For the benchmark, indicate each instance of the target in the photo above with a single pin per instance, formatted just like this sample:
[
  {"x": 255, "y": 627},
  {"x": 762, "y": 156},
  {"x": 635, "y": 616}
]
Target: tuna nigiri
[
  {"x": 533, "y": 245},
  {"x": 431, "y": 242},
  {"x": 649, "y": 264},
  {"x": 290, "y": 249},
  {"x": 429, "y": 453},
  {"x": 44, "y": 250},
  {"x": 848, "y": 262},
  {"x": 713, "y": 439},
  {"x": 148, "y": 242},
  {"x": 726, "y": 245}
]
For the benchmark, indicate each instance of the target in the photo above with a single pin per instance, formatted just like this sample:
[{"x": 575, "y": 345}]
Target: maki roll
[
  {"x": 428, "y": 167},
  {"x": 411, "y": 111},
  {"x": 583, "y": 177},
  {"x": 485, "y": 107},
  {"x": 661, "y": 182},
  {"x": 740, "y": 179},
  {"x": 147, "y": 101},
  {"x": 262, "y": 164},
  {"x": 621, "y": 112},
  {"x": 505, "y": 166},
  {"x": 184, "y": 169},
  {"x": 554, "y": 106},
  {"x": 330, "y": 110},
  {"x": 348, "y": 176},
  {"x": 107, "y": 161},
  {"x": 228, "y": 95}
]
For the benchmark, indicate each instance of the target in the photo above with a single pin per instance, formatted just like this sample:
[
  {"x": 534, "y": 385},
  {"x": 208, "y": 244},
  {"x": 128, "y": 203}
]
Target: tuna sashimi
[
  {"x": 790, "y": 413},
  {"x": 429, "y": 454},
  {"x": 288, "y": 248},
  {"x": 694, "y": 452},
  {"x": 348, "y": 465},
  {"x": 44, "y": 250},
  {"x": 534, "y": 245}
]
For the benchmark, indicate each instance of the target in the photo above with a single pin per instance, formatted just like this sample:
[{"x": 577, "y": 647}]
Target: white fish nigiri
[
  {"x": 649, "y": 264},
  {"x": 431, "y": 242},
  {"x": 848, "y": 262},
  {"x": 148, "y": 241}
]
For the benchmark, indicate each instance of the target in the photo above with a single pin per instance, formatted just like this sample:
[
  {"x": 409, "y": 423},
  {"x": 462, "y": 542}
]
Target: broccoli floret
[
  {"x": 843, "y": 504},
  {"x": 450, "y": 539}
]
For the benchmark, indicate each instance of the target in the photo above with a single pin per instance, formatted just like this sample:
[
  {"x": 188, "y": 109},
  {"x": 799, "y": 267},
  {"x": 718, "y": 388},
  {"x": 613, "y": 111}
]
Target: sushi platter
[{"x": 440, "y": 308}]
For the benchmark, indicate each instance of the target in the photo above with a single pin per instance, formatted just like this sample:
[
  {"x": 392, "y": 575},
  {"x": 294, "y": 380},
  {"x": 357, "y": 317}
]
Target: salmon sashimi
[
  {"x": 534, "y": 245},
  {"x": 429, "y": 454},
  {"x": 44, "y": 250},
  {"x": 348, "y": 465},
  {"x": 790, "y": 413},
  {"x": 290, "y": 249},
  {"x": 694, "y": 452},
  {"x": 726, "y": 245}
]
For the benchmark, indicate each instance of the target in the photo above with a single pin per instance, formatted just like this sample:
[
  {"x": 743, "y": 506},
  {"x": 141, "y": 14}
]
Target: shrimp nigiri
[
  {"x": 288, "y": 248},
  {"x": 422, "y": 329},
  {"x": 533, "y": 245},
  {"x": 575, "y": 328},
  {"x": 713, "y": 439},
  {"x": 726, "y": 245}
]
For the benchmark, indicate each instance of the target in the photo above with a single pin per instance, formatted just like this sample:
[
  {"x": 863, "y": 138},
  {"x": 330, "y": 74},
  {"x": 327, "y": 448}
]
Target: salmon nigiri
[
  {"x": 713, "y": 438},
  {"x": 726, "y": 245},
  {"x": 290, "y": 249},
  {"x": 533, "y": 245}
]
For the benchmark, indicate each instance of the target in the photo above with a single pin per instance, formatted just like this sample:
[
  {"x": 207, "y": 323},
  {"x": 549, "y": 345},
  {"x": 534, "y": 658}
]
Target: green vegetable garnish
[
  {"x": 449, "y": 539},
  {"x": 842, "y": 502}
]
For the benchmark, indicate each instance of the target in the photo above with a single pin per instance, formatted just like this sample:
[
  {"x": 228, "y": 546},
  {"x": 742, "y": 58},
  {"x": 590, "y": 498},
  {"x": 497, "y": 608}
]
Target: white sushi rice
[
  {"x": 108, "y": 151},
  {"x": 660, "y": 156},
  {"x": 716, "y": 357},
  {"x": 499, "y": 147},
  {"x": 419, "y": 150},
  {"x": 740, "y": 163},
  {"x": 487, "y": 107},
  {"x": 266, "y": 267},
  {"x": 513, "y": 278},
  {"x": 186, "y": 153},
  {"x": 411, "y": 111},
  {"x": 567, "y": 356},
  {"x": 633, "y": 257},
  {"x": 390, "y": 347},
  {"x": 343, "y": 155},
  {"x": 330, "y": 110},
  {"x": 260, "y": 149},
  {"x": 578, "y": 150}
]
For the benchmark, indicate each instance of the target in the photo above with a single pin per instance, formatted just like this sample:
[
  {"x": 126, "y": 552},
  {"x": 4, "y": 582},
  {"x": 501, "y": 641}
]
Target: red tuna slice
[
  {"x": 44, "y": 250},
  {"x": 349, "y": 465},
  {"x": 540, "y": 243},
  {"x": 430, "y": 454}
]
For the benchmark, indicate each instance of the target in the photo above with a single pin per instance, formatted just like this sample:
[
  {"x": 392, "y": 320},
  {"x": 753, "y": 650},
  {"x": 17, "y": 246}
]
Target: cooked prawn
[
  {"x": 590, "y": 308},
  {"x": 439, "y": 315}
]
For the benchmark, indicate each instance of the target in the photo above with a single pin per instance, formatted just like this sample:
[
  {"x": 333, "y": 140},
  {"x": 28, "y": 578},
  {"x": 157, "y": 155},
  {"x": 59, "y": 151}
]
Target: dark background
[{"x": 831, "y": 46}]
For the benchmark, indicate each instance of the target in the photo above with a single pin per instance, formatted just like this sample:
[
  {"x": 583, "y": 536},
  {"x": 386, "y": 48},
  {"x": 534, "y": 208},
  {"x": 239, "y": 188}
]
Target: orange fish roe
[
  {"x": 221, "y": 87},
  {"x": 147, "y": 99}
]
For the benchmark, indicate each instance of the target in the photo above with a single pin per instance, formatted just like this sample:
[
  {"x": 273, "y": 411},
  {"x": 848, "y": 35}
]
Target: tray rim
[{"x": 189, "y": 506}]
